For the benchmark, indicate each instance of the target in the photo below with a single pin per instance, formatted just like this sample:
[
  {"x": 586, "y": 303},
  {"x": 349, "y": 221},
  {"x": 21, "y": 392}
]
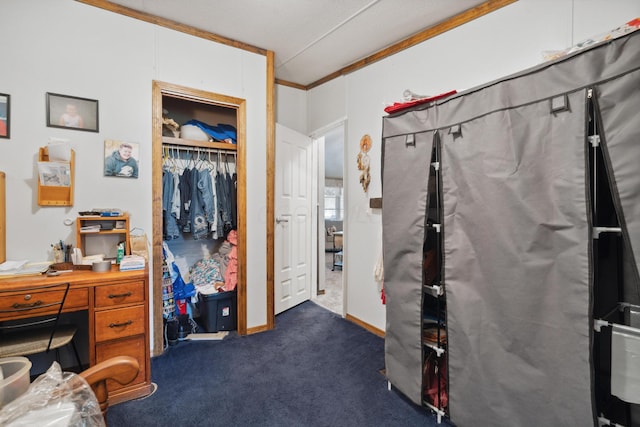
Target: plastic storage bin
[
  {"x": 218, "y": 311},
  {"x": 14, "y": 378}
]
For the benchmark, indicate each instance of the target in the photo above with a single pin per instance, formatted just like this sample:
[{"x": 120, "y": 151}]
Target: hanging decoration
[{"x": 363, "y": 162}]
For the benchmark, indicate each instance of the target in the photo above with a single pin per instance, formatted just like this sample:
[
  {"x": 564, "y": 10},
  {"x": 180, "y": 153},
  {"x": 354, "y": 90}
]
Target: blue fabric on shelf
[{"x": 219, "y": 133}]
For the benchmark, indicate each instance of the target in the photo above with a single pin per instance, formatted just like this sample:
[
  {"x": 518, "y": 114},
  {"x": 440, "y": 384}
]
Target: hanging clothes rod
[
  {"x": 172, "y": 152},
  {"x": 189, "y": 149},
  {"x": 202, "y": 144}
]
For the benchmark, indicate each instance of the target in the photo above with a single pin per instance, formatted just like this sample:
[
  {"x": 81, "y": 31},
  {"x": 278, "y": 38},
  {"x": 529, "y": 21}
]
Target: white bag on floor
[{"x": 54, "y": 399}]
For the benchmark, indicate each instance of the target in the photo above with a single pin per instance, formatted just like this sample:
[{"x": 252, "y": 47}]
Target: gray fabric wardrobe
[{"x": 537, "y": 188}]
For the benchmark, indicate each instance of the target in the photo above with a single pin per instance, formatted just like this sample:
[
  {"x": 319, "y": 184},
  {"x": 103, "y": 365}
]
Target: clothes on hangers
[
  {"x": 170, "y": 222},
  {"x": 201, "y": 199},
  {"x": 224, "y": 204},
  {"x": 185, "y": 201}
]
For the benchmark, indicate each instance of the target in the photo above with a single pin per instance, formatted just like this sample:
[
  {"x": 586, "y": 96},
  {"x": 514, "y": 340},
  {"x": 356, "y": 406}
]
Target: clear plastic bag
[{"x": 55, "y": 398}]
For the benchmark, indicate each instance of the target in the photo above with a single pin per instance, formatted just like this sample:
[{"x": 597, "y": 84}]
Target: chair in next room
[
  {"x": 337, "y": 250},
  {"x": 30, "y": 321}
]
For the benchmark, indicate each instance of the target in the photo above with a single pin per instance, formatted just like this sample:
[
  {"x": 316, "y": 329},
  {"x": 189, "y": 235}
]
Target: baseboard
[
  {"x": 368, "y": 327},
  {"x": 257, "y": 329},
  {"x": 365, "y": 325}
]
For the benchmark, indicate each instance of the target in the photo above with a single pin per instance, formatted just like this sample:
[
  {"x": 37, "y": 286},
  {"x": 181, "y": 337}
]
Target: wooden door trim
[{"x": 271, "y": 179}]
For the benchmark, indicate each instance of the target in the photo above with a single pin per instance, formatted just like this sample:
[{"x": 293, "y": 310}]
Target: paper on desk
[
  {"x": 26, "y": 269},
  {"x": 132, "y": 262},
  {"x": 90, "y": 259},
  {"x": 12, "y": 265}
]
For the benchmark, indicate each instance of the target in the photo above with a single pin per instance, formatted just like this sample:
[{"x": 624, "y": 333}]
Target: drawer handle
[
  {"x": 126, "y": 294},
  {"x": 120, "y": 325},
  {"x": 23, "y": 306}
]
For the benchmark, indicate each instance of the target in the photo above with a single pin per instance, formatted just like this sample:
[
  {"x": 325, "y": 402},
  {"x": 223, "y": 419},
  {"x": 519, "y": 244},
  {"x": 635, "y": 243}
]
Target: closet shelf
[
  {"x": 625, "y": 316},
  {"x": 434, "y": 291},
  {"x": 433, "y": 346},
  {"x": 435, "y": 226},
  {"x": 598, "y": 230},
  {"x": 434, "y": 336},
  {"x": 439, "y": 412},
  {"x": 203, "y": 144},
  {"x": 433, "y": 319}
]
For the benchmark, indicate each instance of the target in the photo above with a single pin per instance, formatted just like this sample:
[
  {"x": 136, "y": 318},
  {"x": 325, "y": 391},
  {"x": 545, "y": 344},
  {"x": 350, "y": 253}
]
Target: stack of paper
[
  {"x": 132, "y": 262},
  {"x": 56, "y": 174},
  {"x": 59, "y": 150},
  {"x": 11, "y": 268},
  {"x": 90, "y": 259},
  {"x": 92, "y": 228},
  {"x": 12, "y": 265}
]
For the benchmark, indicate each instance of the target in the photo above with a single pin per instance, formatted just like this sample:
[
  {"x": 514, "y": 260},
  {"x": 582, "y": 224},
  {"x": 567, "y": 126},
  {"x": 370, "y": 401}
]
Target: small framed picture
[
  {"x": 5, "y": 115},
  {"x": 121, "y": 158},
  {"x": 72, "y": 112}
]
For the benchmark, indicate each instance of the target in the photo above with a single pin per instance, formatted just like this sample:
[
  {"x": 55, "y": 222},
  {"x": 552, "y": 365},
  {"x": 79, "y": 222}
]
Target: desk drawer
[
  {"x": 119, "y": 322},
  {"x": 134, "y": 347},
  {"x": 120, "y": 293},
  {"x": 77, "y": 299}
]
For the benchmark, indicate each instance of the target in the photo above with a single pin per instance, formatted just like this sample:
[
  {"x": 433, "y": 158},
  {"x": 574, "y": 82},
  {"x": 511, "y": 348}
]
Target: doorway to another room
[{"x": 330, "y": 292}]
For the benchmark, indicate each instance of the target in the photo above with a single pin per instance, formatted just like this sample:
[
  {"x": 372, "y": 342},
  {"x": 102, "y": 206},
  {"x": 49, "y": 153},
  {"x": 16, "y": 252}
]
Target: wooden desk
[{"x": 118, "y": 307}]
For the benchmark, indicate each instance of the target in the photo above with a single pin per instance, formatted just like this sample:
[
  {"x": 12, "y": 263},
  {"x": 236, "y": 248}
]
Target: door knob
[{"x": 279, "y": 220}]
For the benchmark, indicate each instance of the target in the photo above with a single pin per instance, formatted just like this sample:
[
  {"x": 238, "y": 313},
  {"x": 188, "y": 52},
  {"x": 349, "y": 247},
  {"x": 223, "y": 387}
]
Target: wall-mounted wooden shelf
[{"x": 51, "y": 195}]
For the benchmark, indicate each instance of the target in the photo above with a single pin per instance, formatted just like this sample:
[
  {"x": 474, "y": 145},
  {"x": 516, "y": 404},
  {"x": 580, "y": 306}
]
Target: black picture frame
[
  {"x": 72, "y": 112},
  {"x": 5, "y": 116}
]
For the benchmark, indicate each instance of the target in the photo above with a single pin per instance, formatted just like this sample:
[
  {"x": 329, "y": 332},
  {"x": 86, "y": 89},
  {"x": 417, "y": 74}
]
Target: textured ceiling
[{"x": 311, "y": 38}]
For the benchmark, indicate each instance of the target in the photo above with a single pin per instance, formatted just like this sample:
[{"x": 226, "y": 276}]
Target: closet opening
[{"x": 199, "y": 204}]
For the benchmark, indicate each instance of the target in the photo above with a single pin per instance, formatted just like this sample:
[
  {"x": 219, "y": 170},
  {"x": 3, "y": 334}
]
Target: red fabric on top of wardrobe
[{"x": 399, "y": 106}]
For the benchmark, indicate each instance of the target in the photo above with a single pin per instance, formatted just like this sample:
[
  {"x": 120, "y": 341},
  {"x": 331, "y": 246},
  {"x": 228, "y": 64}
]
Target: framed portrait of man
[{"x": 121, "y": 158}]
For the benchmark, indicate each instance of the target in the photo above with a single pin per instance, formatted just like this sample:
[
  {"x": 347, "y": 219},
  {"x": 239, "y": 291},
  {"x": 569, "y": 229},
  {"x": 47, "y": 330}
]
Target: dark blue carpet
[{"x": 313, "y": 369}]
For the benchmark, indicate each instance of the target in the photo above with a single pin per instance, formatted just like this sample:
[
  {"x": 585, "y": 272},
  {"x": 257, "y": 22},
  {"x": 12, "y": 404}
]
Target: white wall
[
  {"x": 66, "y": 47},
  {"x": 291, "y": 108},
  {"x": 326, "y": 104},
  {"x": 504, "y": 42}
]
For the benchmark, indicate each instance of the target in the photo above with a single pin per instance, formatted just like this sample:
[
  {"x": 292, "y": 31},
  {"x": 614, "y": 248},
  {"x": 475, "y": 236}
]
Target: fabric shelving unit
[{"x": 525, "y": 286}]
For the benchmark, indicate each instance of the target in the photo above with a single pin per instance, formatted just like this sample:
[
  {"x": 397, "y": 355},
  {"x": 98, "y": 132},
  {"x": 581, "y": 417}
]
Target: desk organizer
[{"x": 61, "y": 266}]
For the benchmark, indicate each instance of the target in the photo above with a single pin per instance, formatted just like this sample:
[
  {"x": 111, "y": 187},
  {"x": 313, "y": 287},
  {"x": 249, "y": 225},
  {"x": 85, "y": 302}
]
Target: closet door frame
[{"x": 159, "y": 90}]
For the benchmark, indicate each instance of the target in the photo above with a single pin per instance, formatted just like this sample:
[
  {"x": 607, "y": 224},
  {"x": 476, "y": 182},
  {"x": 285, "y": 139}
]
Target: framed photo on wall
[
  {"x": 72, "y": 112},
  {"x": 121, "y": 158},
  {"x": 5, "y": 116}
]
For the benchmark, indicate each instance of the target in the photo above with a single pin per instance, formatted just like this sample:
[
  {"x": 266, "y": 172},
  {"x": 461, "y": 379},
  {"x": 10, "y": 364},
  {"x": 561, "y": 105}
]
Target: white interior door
[{"x": 294, "y": 207}]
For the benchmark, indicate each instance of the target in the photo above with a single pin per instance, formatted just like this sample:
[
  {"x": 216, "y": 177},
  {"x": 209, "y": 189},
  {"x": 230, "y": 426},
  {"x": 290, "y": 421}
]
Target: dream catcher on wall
[{"x": 363, "y": 162}]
